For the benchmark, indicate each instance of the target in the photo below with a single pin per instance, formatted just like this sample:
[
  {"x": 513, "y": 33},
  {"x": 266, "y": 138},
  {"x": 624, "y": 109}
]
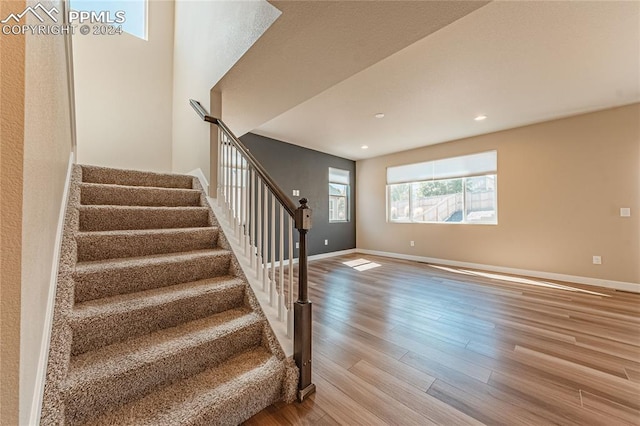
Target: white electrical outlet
[
  {"x": 296, "y": 192},
  {"x": 625, "y": 212},
  {"x": 597, "y": 260},
  {"x": 297, "y": 245},
  {"x": 412, "y": 243},
  {"x": 326, "y": 242}
]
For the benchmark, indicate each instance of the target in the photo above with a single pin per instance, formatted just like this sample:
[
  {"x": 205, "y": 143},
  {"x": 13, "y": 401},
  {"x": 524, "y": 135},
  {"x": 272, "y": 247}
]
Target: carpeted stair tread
[
  {"x": 113, "y": 218},
  {"x": 95, "y": 174},
  {"x": 126, "y": 195},
  {"x": 101, "y": 245},
  {"x": 244, "y": 384},
  {"x": 133, "y": 274},
  {"x": 109, "y": 320},
  {"x": 154, "y": 321},
  {"x": 109, "y": 377},
  {"x": 124, "y": 356}
]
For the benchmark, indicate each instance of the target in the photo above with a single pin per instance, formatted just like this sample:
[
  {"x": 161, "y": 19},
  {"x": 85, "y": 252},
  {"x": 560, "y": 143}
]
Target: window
[
  {"x": 135, "y": 13},
  {"x": 452, "y": 190},
  {"x": 338, "y": 195}
]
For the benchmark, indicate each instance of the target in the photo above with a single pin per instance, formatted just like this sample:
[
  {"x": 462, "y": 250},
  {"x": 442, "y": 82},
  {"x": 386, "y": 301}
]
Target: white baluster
[
  {"x": 237, "y": 192},
  {"x": 290, "y": 299},
  {"x": 225, "y": 178},
  {"x": 230, "y": 184},
  {"x": 272, "y": 292},
  {"x": 259, "y": 230},
  {"x": 243, "y": 206},
  {"x": 252, "y": 218},
  {"x": 219, "y": 170},
  {"x": 265, "y": 251},
  {"x": 247, "y": 235},
  {"x": 234, "y": 190},
  {"x": 223, "y": 172},
  {"x": 281, "y": 271}
]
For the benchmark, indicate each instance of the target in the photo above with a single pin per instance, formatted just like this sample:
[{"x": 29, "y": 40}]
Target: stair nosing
[
  {"x": 96, "y": 307},
  {"x": 115, "y": 185},
  {"x": 89, "y": 266},
  {"x": 87, "y": 169},
  {"x": 124, "y": 207},
  {"x": 96, "y": 370},
  {"x": 152, "y": 231}
]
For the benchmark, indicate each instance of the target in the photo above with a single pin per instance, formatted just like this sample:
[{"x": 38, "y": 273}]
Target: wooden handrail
[
  {"x": 302, "y": 219},
  {"x": 284, "y": 200}
]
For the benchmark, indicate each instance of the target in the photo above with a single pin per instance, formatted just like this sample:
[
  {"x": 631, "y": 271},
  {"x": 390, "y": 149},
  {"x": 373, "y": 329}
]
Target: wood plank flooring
[{"x": 406, "y": 343}]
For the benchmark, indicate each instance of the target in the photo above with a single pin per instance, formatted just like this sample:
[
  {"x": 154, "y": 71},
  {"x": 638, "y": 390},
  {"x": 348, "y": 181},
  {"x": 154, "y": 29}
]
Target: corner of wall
[{"x": 12, "y": 74}]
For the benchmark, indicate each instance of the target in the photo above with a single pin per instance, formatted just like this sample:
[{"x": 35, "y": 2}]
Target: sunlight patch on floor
[
  {"x": 357, "y": 262},
  {"x": 520, "y": 280},
  {"x": 361, "y": 264},
  {"x": 367, "y": 266}
]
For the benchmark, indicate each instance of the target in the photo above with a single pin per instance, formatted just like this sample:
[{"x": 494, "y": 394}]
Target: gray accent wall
[{"x": 294, "y": 167}]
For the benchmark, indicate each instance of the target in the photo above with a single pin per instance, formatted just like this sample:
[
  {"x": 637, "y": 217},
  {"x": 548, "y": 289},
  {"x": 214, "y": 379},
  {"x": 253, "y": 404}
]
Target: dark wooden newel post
[{"x": 302, "y": 308}]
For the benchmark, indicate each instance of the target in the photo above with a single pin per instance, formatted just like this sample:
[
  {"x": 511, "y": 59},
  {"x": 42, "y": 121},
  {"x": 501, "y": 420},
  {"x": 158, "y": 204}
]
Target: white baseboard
[
  {"x": 330, "y": 254},
  {"x": 616, "y": 285},
  {"x": 41, "y": 374},
  {"x": 315, "y": 257},
  {"x": 201, "y": 177}
]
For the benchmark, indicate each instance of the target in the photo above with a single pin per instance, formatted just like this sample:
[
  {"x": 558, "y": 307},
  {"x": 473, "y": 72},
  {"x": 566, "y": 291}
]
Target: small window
[
  {"x": 129, "y": 15},
  {"x": 338, "y": 195},
  {"x": 452, "y": 190}
]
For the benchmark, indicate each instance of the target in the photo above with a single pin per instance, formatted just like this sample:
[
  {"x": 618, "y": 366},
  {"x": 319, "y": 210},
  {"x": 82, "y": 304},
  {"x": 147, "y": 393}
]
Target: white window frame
[
  {"x": 340, "y": 177},
  {"x": 452, "y": 168}
]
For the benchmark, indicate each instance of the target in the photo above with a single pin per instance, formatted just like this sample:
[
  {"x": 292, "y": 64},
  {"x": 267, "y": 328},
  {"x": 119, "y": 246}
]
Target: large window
[
  {"x": 452, "y": 190},
  {"x": 338, "y": 195}
]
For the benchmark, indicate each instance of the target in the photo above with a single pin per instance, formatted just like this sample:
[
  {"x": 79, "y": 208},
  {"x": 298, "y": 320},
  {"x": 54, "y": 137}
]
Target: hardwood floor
[{"x": 407, "y": 343}]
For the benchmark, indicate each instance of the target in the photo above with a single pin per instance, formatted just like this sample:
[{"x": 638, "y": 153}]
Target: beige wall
[
  {"x": 47, "y": 147},
  {"x": 11, "y": 155},
  {"x": 560, "y": 187},
  {"x": 35, "y": 149},
  {"x": 209, "y": 38},
  {"x": 124, "y": 95}
]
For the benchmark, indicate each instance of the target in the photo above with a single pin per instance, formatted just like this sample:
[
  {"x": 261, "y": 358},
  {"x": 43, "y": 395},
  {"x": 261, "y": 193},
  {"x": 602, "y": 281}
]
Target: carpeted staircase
[{"x": 155, "y": 323}]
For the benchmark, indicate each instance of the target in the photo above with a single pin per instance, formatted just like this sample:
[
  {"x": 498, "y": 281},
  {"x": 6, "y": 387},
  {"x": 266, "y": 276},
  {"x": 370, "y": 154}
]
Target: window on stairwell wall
[
  {"x": 128, "y": 15},
  {"x": 451, "y": 190},
  {"x": 338, "y": 195}
]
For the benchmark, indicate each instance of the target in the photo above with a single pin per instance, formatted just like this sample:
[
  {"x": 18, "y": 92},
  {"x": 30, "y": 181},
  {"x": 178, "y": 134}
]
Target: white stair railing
[
  {"x": 262, "y": 219},
  {"x": 261, "y": 227}
]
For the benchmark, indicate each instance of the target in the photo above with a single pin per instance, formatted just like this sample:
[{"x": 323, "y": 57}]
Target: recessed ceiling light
[
  {"x": 379, "y": 115},
  {"x": 364, "y": 147},
  {"x": 480, "y": 118}
]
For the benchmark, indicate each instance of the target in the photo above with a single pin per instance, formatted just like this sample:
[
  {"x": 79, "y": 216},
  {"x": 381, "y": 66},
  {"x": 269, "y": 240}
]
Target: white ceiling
[
  {"x": 314, "y": 45},
  {"x": 516, "y": 62}
]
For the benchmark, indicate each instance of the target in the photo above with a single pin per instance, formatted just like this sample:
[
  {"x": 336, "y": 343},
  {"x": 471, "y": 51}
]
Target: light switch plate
[{"x": 625, "y": 212}]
